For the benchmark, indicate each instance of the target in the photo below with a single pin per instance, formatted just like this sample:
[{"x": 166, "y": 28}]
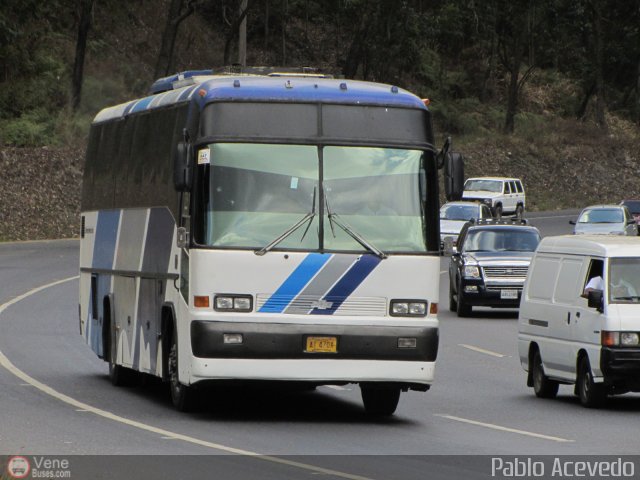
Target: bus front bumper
[{"x": 280, "y": 352}]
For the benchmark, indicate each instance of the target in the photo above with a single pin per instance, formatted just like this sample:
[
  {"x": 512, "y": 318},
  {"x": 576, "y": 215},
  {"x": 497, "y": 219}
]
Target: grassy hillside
[{"x": 564, "y": 162}]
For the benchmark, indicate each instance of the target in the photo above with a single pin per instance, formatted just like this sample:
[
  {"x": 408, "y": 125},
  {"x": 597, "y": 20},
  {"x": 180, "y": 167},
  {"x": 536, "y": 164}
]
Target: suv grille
[{"x": 505, "y": 272}]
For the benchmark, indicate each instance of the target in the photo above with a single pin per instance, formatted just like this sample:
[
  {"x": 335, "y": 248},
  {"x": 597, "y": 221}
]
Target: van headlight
[
  {"x": 622, "y": 339},
  {"x": 628, "y": 339},
  {"x": 471, "y": 271}
]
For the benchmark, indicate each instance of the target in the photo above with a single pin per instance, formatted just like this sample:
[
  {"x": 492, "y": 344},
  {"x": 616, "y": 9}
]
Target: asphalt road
[{"x": 56, "y": 399}]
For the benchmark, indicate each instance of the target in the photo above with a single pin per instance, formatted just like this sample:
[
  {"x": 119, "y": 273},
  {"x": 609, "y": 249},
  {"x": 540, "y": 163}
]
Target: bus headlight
[
  {"x": 408, "y": 308},
  {"x": 233, "y": 303}
]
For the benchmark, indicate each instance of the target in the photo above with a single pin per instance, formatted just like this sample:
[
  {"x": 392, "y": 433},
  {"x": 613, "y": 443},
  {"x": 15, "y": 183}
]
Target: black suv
[{"x": 490, "y": 265}]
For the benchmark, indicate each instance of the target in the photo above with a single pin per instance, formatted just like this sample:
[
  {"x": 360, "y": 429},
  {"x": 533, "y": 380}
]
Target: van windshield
[{"x": 624, "y": 280}]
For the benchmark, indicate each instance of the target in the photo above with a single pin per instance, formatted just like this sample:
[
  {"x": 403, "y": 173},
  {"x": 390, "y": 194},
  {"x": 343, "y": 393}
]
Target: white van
[{"x": 569, "y": 336}]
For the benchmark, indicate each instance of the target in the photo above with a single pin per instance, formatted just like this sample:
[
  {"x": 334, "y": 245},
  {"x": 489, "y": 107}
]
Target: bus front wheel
[
  {"x": 381, "y": 401},
  {"x": 181, "y": 395}
]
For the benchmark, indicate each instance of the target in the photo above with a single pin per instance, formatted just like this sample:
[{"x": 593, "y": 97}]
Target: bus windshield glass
[{"x": 248, "y": 195}]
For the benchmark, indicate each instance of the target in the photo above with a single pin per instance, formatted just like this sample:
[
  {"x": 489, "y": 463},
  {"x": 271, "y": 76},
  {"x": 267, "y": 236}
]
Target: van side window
[
  {"x": 506, "y": 188},
  {"x": 569, "y": 285},
  {"x": 596, "y": 269},
  {"x": 519, "y": 187}
]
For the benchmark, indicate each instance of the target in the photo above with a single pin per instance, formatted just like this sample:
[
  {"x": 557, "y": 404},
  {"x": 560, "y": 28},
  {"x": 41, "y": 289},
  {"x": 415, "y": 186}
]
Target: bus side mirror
[
  {"x": 453, "y": 176},
  {"x": 182, "y": 161},
  {"x": 594, "y": 300}
]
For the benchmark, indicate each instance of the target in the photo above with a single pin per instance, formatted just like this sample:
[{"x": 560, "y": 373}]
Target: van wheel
[
  {"x": 542, "y": 386},
  {"x": 381, "y": 401},
  {"x": 519, "y": 212},
  {"x": 498, "y": 212},
  {"x": 592, "y": 395},
  {"x": 453, "y": 305},
  {"x": 181, "y": 395}
]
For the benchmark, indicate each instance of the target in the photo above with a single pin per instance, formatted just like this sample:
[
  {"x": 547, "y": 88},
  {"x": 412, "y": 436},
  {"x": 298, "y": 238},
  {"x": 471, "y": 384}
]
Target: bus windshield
[{"x": 249, "y": 195}]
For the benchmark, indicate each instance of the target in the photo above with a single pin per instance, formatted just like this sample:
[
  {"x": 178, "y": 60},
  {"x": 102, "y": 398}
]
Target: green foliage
[{"x": 33, "y": 128}]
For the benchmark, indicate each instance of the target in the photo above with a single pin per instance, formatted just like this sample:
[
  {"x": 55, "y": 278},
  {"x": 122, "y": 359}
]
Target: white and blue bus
[{"x": 265, "y": 228}]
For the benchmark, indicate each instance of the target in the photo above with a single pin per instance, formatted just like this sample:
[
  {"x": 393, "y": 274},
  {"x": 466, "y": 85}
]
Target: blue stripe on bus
[
  {"x": 294, "y": 284},
  {"x": 104, "y": 246},
  {"x": 348, "y": 283},
  {"x": 142, "y": 104}
]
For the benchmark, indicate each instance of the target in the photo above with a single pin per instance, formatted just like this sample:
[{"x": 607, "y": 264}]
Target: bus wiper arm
[
  {"x": 334, "y": 218},
  {"x": 307, "y": 218}
]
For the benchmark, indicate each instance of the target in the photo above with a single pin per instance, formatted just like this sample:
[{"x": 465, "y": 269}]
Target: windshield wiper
[
  {"x": 334, "y": 218},
  {"x": 307, "y": 218}
]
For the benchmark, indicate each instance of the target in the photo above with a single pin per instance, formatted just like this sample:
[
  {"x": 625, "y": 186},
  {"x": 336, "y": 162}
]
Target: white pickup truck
[{"x": 502, "y": 195}]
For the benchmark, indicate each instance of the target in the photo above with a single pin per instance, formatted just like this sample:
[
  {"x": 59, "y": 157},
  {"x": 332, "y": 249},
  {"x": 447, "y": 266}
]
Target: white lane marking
[
  {"x": 442, "y": 272},
  {"x": 337, "y": 387},
  {"x": 4, "y": 306},
  {"x": 504, "y": 429},
  {"x": 481, "y": 350},
  {"x": 6, "y": 363}
]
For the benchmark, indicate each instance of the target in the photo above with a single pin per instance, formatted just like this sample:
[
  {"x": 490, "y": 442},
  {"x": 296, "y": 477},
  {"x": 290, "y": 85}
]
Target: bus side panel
[{"x": 126, "y": 257}]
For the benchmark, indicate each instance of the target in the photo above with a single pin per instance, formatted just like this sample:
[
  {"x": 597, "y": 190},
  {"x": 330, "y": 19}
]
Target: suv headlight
[{"x": 471, "y": 271}]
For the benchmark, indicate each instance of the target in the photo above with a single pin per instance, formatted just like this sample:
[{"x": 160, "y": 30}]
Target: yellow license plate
[{"x": 322, "y": 344}]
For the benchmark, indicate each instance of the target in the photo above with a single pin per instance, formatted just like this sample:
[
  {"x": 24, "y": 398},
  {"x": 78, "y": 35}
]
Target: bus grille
[{"x": 304, "y": 304}]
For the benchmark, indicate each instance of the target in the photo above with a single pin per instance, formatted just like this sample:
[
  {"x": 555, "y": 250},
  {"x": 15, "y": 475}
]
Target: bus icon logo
[
  {"x": 321, "y": 304},
  {"x": 18, "y": 467}
]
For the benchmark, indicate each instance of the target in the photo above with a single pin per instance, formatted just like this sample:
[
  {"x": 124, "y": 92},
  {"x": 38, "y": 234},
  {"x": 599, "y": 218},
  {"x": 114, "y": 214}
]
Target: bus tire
[
  {"x": 118, "y": 375},
  {"x": 592, "y": 395},
  {"x": 381, "y": 401},
  {"x": 543, "y": 387},
  {"x": 181, "y": 395}
]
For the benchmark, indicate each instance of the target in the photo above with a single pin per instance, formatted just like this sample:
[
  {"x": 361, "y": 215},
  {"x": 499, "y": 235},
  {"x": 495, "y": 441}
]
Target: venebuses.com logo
[{"x": 18, "y": 467}]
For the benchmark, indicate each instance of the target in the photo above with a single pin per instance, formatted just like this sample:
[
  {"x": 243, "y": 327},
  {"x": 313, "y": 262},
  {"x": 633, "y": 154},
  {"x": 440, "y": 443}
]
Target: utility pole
[{"x": 242, "y": 35}]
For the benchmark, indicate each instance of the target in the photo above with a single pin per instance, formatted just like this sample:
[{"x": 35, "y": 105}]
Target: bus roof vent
[
  {"x": 177, "y": 80},
  {"x": 187, "y": 78}
]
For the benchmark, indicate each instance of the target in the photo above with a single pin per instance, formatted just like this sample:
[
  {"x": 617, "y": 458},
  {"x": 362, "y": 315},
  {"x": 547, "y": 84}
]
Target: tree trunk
[
  {"x": 582, "y": 110},
  {"x": 266, "y": 24},
  {"x": 637, "y": 106},
  {"x": 512, "y": 98},
  {"x": 599, "y": 66},
  {"x": 232, "y": 33},
  {"x": 84, "y": 25},
  {"x": 175, "y": 17},
  {"x": 284, "y": 32},
  {"x": 242, "y": 35}
]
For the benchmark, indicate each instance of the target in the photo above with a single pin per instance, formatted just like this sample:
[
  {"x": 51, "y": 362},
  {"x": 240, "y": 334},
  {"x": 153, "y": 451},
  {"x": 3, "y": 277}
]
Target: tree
[
  {"x": 84, "y": 25},
  {"x": 516, "y": 24},
  {"x": 179, "y": 10},
  {"x": 234, "y": 26}
]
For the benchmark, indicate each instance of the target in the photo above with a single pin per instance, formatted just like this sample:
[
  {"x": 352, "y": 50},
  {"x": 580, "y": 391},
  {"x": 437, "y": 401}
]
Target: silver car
[
  {"x": 605, "y": 220},
  {"x": 454, "y": 215}
]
